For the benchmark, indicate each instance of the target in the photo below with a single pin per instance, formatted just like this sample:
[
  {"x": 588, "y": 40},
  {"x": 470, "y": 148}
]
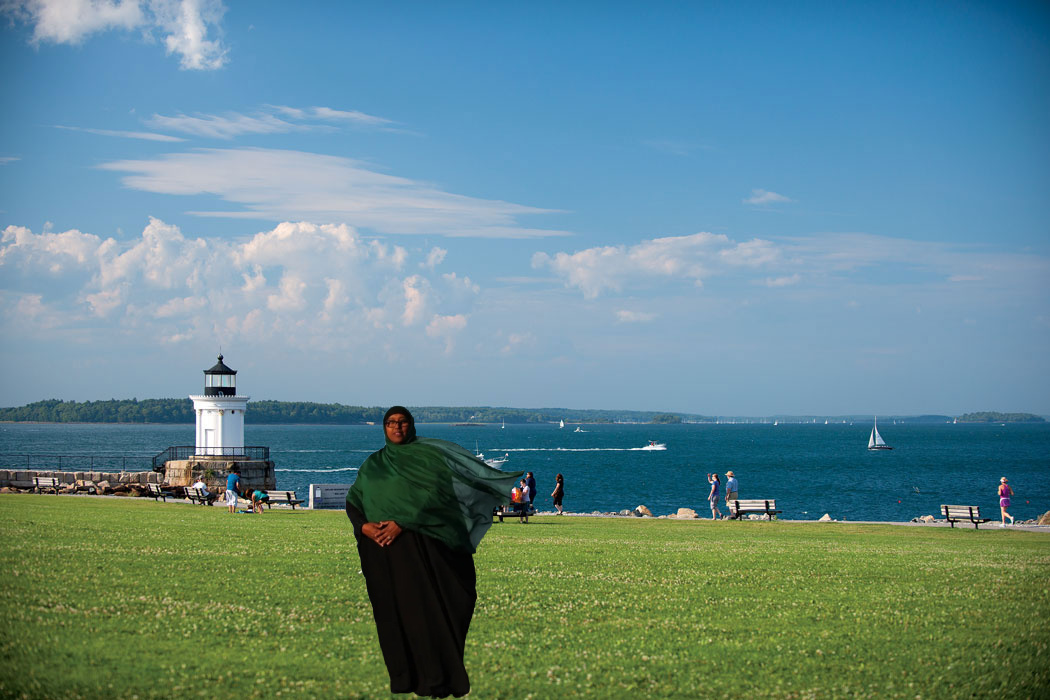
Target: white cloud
[
  {"x": 279, "y": 185},
  {"x": 766, "y": 197},
  {"x": 415, "y": 292},
  {"x": 434, "y": 257},
  {"x": 289, "y": 296},
  {"x": 463, "y": 284},
  {"x": 691, "y": 258},
  {"x": 626, "y": 316},
  {"x": 297, "y": 284},
  {"x": 446, "y": 328},
  {"x": 181, "y": 306},
  {"x": 8, "y": 159},
  {"x": 184, "y": 24},
  {"x": 965, "y": 278}
]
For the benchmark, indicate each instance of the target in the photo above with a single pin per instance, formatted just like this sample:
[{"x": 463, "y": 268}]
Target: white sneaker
[{"x": 1002, "y": 524}]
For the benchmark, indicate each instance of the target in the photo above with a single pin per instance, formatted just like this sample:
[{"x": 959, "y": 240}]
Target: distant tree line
[
  {"x": 996, "y": 417},
  {"x": 305, "y": 412}
]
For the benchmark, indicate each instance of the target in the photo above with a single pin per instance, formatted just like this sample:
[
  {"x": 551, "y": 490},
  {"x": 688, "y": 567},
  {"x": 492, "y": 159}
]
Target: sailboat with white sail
[{"x": 875, "y": 442}]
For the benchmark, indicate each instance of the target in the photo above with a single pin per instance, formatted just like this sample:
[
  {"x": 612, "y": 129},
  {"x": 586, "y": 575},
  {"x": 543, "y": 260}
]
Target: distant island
[
  {"x": 996, "y": 417},
  {"x": 309, "y": 413},
  {"x": 301, "y": 412}
]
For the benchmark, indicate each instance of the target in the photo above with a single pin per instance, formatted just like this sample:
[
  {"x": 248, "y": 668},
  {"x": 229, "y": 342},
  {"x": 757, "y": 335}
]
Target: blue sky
[{"x": 718, "y": 208}]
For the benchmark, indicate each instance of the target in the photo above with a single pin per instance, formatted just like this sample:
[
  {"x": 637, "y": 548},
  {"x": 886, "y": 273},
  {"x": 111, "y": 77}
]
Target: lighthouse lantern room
[{"x": 220, "y": 414}]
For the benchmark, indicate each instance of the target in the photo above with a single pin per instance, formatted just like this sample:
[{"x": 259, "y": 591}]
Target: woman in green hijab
[{"x": 419, "y": 508}]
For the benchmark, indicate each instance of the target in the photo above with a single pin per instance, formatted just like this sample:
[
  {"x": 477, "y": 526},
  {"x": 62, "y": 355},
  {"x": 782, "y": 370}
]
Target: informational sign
[{"x": 328, "y": 495}]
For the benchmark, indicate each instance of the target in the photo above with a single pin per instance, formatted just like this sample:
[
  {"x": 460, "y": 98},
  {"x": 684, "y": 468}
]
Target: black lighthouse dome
[{"x": 220, "y": 380}]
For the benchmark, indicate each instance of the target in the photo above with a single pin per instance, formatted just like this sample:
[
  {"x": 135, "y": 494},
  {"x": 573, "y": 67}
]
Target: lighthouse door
[{"x": 209, "y": 440}]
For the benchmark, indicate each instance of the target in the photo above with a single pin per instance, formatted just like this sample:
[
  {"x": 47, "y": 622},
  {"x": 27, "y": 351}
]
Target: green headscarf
[{"x": 432, "y": 487}]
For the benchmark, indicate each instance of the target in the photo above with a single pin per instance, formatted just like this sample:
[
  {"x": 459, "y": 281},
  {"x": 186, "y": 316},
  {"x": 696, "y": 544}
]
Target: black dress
[{"x": 423, "y": 595}]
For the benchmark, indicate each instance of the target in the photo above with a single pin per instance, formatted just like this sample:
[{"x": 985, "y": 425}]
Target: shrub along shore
[{"x": 126, "y": 597}]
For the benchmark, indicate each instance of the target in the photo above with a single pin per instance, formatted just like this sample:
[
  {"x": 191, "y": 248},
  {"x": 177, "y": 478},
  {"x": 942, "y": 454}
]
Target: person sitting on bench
[{"x": 199, "y": 484}]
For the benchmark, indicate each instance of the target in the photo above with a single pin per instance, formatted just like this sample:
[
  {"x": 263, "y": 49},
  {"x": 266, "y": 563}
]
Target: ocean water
[{"x": 811, "y": 469}]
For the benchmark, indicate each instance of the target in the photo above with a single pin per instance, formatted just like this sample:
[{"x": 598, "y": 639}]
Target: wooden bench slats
[
  {"x": 954, "y": 514},
  {"x": 283, "y": 497},
  {"x": 761, "y": 506},
  {"x": 513, "y": 510},
  {"x": 196, "y": 495},
  {"x": 45, "y": 482},
  {"x": 155, "y": 491}
]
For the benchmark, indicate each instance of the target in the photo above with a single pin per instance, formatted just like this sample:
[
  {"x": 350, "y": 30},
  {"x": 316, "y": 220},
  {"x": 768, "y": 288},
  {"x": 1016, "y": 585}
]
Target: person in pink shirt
[{"x": 1005, "y": 492}]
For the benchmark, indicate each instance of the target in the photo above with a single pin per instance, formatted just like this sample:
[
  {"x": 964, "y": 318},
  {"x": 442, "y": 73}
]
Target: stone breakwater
[{"x": 130, "y": 483}]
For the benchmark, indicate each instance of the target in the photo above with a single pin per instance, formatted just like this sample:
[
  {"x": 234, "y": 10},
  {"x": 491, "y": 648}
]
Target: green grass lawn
[{"x": 133, "y": 598}]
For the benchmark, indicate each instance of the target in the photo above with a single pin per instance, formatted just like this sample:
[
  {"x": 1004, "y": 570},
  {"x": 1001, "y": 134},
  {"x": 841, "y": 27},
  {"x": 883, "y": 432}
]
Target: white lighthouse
[
  {"x": 220, "y": 414},
  {"x": 219, "y": 445}
]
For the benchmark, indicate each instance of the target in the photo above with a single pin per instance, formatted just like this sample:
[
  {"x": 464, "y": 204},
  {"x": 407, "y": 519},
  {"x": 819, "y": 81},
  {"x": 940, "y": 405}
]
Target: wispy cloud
[
  {"x": 766, "y": 197},
  {"x": 142, "y": 135},
  {"x": 184, "y": 25},
  {"x": 270, "y": 119},
  {"x": 225, "y": 126},
  {"x": 827, "y": 261},
  {"x": 4, "y": 160},
  {"x": 281, "y": 185},
  {"x": 691, "y": 258}
]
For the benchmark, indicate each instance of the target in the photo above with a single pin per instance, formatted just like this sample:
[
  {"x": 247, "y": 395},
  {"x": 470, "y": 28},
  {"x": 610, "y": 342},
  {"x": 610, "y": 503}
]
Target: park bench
[
  {"x": 512, "y": 510},
  {"x": 284, "y": 498},
  {"x": 761, "y": 506},
  {"x": 45, "y": 482},
  {"x": 196, "y": 495},
  {"x": 958, "y": 514},
  {"x": 154, "y": 491}
]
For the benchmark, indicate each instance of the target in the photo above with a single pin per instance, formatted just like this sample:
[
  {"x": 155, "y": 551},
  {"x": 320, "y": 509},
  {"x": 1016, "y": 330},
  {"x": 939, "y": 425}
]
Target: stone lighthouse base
[{"x": 255, "y": 473}]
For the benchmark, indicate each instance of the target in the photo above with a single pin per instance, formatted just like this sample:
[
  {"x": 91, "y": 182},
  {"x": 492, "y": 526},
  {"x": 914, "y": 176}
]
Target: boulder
[
  {"x": 643, "y": 512},
  {"x": 685, "y": 513},
  {"x": 626, "y": 512},
  {"x": 104, "y": 487},
  {"x": 825, "y": 519},
  {"x": 927, "y": 519},
  {"x": 8, "y": 489},
  {"x": 1044, "y": 519}
]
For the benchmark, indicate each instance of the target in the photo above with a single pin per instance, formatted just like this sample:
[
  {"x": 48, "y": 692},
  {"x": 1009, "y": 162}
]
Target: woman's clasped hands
[{"x": 382, "y": 533}]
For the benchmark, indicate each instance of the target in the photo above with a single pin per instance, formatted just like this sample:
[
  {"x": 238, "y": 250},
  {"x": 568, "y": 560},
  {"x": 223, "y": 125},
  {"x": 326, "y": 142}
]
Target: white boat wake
[
  {"x": 647, "y": 448},
  {"x": 329, "y": 470}
]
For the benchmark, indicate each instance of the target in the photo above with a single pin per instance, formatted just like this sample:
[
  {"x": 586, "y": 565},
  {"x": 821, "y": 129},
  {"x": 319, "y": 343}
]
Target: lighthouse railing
[{"x": 190, "y": 451}]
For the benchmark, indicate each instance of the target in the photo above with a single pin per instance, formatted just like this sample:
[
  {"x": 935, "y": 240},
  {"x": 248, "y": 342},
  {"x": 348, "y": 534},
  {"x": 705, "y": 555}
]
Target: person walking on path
[
  {"x": 419, "y": 509},
  {"x": 731, "y": 487},
  {"x": 233, "y": 487},
  {"x": 713, "y": 496},
  {"x": 1005, "y": 492},
  {"x": 530, "y": 480},
  {"x": 558, "y": 493}
]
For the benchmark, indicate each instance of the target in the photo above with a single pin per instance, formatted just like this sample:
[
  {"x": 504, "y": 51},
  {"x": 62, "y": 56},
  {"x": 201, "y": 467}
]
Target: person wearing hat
[
  {"x": 731, "y": 488},
  {"x": 1005, "y": 492}
]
